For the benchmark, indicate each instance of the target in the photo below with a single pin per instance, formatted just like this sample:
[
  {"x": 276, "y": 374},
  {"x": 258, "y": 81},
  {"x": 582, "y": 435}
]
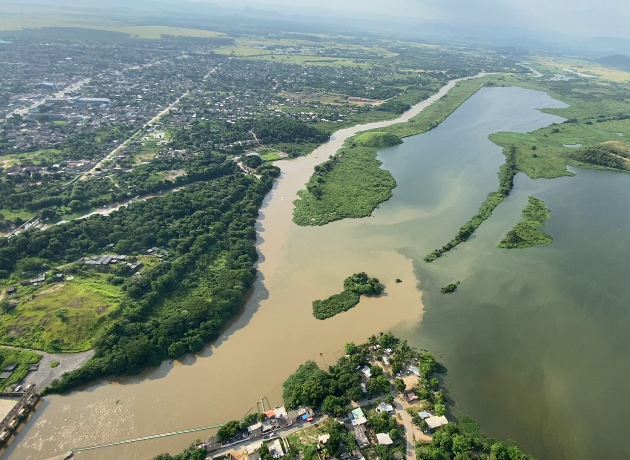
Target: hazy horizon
[
  {"x": 546, "y": 20},
  {"x": 605, "y": 18}
]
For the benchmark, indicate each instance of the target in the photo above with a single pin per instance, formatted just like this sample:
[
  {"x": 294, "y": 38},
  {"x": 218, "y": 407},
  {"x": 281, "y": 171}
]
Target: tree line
[{"x": 178, "y": 305}]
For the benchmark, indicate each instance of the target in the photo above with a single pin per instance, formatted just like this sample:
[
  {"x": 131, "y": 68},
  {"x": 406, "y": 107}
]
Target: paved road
[
  {"x": 45, "y": 375},
  {"x": 61, "y": 94},
  {"x": 138, "y": 133},
  {"x": 234, "y": 448},
  {"x": 110, "y": 155}
]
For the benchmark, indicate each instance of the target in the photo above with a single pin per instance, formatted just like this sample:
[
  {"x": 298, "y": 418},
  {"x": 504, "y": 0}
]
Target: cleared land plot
[
  {"x": 323, "y": 98},
  {"x": 61, "y": 317},
  {"x": 6, "y": 404},
  {"x": 590, "y": 68}
]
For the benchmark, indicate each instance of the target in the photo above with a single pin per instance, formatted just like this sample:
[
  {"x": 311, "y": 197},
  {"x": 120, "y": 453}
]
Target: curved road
[{"x": 45, "y": 375}]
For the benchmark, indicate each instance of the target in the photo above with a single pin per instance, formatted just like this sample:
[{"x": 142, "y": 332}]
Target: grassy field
[
  {"x": 323, "y": 98},
  {"x": 16, "y": 159},
  {"x": 596, "y": 114},
  {"x": 560, "y": 64},
  {"x": 147, "y": 151},
  {"x": 20, "y": 357},
  {"x": 347, "y": 54},
  {"x": 26, "y": 17},
  {"x": 11, "y": 215},
  {"x": 271, "y": 156},
  {"x": 155, "y": 32},
  {"x": 60, "y": 317}
]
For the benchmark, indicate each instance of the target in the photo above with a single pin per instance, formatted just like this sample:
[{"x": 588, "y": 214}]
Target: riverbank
[
  {"x": 46, "y": 372},
  {"x": 354, "y": 184},
  {"x": 121, "y": 409},
  {"x": 299, "y": 264}
]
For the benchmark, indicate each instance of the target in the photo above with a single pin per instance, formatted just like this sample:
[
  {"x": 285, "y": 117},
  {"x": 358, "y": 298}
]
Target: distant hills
[{"x": 619, "y": 61}]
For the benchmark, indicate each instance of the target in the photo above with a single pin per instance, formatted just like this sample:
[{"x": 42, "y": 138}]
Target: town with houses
[
  {"x": 94, "y": 121},
  {"x": 279, "y": 432}
]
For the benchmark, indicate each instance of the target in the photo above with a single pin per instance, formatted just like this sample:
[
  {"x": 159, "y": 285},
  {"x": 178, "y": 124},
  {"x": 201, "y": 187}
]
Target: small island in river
[
  {"x": 527, "y": 234},
  {"x": 353, "y": 288},
  {"x": 449, "y": 288}
]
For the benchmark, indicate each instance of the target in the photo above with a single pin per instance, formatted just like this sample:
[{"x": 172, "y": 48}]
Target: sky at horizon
[{"x": 608, "y": 18}]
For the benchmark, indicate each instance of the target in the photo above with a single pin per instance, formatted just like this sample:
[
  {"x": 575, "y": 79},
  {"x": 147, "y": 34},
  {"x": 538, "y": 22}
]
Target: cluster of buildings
[
  {"x": 89, "y": 87},
  {"x": 104, "y": 263},
  {"x": 356, "y": 423},
  {"x": 239, "y": 91},
  {"x": 263, "y": 431},
  {"x": 37, "y": 281}
]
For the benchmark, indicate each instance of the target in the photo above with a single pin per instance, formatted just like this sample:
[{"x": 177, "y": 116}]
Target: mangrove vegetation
[
  {"x": 527, "y": 233},
  {"x": 206, "y": 235},
  {"x": 449, "y": 288},
  {"x": 353, "y": 288},
  {"x": 614, "y": 155},
  {"x": 349, "y": 185}
]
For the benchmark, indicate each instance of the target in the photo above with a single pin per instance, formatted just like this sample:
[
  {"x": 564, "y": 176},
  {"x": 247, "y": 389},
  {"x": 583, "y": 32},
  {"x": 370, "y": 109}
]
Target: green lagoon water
[{"x": 535, "y": 340}]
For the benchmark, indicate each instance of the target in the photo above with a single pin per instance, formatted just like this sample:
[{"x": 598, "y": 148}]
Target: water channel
[{"x": 534, "y": 339}]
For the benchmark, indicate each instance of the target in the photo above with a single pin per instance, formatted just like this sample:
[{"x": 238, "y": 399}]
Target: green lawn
[
  {"x": 60, "y": 317},
  {"x": 22, "y": 359},
  {"x": 271, "y": 156}
]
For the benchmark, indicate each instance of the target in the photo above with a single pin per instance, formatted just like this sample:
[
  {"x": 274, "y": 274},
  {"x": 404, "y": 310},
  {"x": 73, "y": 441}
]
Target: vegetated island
[
  {"x": 539, "y": 154},
  {"x": 364, "y": 405},
  {"x": 527, "y": 234},
  {"x": 353, "y": 288},
  {"x": 506, "y": 183},
  {"x": 351, "y": 184},
  {"x": 449, "y": 288}
]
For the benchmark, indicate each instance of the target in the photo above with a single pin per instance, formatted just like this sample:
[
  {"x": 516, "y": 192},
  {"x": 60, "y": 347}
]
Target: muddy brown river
[
  {"x": 275, "y": 333},
  {"x": 534, "y": 340}
]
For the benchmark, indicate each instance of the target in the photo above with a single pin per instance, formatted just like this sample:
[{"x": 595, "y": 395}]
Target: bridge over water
[{"x": 145, "y": 438}]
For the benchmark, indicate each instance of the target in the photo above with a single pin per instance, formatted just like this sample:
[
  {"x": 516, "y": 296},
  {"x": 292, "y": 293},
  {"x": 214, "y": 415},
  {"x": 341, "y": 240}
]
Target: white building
[{"x": 384, "y": 439}]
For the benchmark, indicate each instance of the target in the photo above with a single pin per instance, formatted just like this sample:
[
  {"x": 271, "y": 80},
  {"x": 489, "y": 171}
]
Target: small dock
[{"x": 28, "y": 399}]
